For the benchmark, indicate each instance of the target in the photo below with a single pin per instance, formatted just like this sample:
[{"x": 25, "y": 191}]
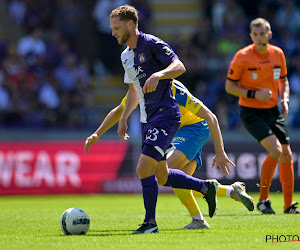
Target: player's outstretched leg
[
  {"x": 239, "y": 194},
  {"x": 211, "y": 196},
  {"x": 178, "y": 179}
]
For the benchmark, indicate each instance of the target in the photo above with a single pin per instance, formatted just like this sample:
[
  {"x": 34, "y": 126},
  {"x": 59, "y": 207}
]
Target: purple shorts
[{"x": 157, "y": 137}]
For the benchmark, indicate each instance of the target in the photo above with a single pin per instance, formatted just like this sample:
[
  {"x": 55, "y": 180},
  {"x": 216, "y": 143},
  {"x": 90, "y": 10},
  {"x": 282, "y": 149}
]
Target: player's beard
[{"x": 125, "y": 37}]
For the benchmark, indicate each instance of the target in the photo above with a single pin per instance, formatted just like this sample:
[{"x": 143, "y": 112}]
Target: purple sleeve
[{"x": 163, "y": 52}]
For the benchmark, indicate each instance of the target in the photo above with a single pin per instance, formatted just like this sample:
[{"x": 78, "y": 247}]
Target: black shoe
[
  {"x": 265, "y": 207},
  {"x": 292, "y": 209},
  {"x": 146, "y": 228},
  {"x": 211, "y": 196}
]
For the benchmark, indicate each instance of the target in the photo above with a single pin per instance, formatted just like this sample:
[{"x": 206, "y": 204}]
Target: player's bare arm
[
  {"x": 220, "y": 158},
  {"x": 111, "y": 119},
  {"x": 131, "y": 103},
  {"x": 232, "y": 88},
  {"x": 285, "y": 95},
  {"x": 175, "y": 69}
]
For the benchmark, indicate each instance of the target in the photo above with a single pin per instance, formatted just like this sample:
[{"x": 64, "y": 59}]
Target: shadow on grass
[
  {"x": 107, "y": 233},
  {"x": 119, "y": 232},
  {"x": 236, "y": 215}
]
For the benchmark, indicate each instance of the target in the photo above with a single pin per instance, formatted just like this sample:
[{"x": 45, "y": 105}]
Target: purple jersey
[{"x": 151, "y": 55}]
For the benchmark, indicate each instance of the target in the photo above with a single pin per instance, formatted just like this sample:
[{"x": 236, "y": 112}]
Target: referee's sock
[
  {"x": 267, "y": 172},
  {"x": 286, "y": 175}
]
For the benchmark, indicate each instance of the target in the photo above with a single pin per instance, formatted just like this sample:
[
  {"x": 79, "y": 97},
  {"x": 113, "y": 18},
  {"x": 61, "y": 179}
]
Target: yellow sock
[
  {"x": 187, "y": 199},
  {"x": 223, "y": 190}
]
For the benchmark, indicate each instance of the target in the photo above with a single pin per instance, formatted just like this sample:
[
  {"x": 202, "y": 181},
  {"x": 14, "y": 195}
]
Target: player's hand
[
  {"x": 263, "y": 95},
  {"x": 90, "y": 141},
  {"x": 151, "y": 84},
  {"x": 223, "y": 163},
  {"x": 122, "y": 128},
  {"x": 285, "y": 108}
]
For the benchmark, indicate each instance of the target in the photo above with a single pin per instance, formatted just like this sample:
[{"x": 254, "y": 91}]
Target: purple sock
[
  {"x": 150, "y": 193},
  {"x": 178, "y": 179}
]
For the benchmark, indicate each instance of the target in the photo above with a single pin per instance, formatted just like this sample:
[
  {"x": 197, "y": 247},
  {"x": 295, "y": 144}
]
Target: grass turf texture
[{"x": 32, "y": 222}]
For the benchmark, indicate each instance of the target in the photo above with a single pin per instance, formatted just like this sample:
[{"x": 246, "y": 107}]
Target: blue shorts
[
  {"x": 157, "y": 137},
  {"x": 190, "y": 140}
]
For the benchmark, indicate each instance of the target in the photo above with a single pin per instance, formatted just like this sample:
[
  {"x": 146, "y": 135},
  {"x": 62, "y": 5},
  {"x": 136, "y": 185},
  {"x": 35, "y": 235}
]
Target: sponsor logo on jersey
[{"x": 135, "y": 72}]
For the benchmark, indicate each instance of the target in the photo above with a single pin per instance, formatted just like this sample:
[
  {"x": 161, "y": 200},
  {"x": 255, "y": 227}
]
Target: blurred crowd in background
[{"x": 62, "y": 48}]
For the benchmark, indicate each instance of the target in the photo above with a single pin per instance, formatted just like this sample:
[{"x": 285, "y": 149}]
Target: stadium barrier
[
  {"x": 61, "y": 167},
  {"x": 248, "y": 157},
  {"x": 58, "y": 167}
]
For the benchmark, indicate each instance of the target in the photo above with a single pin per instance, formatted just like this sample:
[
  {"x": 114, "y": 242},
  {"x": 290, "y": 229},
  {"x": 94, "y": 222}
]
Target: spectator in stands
[
  {"x": 48, "y": 93},
  {"x": 32, "y": 46}
]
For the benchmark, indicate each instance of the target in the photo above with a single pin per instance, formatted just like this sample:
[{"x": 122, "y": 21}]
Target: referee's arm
[
  {"x": 284, "y": 92},
  {"x": 232, "y": 88}
]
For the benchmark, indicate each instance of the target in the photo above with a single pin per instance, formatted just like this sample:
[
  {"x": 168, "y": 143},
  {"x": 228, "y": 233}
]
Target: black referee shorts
[{"x": 262, "y": 123}]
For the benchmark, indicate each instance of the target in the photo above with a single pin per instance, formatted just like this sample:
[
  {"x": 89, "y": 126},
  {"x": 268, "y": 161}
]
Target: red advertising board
[{"x": 58, "y": 167}]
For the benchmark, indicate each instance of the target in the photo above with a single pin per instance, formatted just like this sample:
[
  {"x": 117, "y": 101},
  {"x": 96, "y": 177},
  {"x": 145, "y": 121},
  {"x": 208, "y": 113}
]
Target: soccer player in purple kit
[{"x": 150, "y": 65}]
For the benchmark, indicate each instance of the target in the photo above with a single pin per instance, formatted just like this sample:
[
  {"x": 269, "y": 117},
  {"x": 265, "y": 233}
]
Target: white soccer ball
[{"x": 74, "y": 221}]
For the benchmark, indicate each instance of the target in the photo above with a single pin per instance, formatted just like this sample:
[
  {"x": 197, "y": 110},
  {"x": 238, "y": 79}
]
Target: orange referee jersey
[{"x": 255, "y": 71}]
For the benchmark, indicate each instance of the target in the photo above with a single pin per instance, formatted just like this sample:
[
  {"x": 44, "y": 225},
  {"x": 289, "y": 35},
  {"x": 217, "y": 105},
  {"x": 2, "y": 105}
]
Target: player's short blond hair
[
  {"x": 125, "y": 13},
  {"x": 258, "y": 22}
]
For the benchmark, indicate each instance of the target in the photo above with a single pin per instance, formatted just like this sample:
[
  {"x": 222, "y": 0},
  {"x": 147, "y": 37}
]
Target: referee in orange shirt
[{"x": 257, "y": 73}]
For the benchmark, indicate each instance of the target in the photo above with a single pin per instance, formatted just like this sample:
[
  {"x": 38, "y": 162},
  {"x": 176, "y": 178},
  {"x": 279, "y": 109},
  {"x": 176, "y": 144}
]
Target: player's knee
[
  {"x": 143, "y": 172},
  {"x": 139, "y": 171},
  {"x": 286, "y": 156},
  {"x": 276, "y": 152}
]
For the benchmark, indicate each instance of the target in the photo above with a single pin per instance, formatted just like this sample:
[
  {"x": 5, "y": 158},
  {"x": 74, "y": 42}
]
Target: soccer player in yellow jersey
[{"x": 197, "y": 122}]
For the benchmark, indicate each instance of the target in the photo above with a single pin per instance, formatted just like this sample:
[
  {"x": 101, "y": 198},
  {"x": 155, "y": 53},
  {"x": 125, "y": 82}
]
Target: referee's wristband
[{"x": 251, "y": 94}]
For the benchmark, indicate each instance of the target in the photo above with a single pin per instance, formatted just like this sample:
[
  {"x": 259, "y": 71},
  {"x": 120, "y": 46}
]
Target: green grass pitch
[{"x": 32, "y": 222}]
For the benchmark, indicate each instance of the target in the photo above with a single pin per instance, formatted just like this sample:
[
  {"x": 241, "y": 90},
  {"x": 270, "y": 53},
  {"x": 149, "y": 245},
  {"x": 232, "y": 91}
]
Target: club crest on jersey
[
  {"x": 254, "y": 76},
  {"x": 141, "y": 58}
]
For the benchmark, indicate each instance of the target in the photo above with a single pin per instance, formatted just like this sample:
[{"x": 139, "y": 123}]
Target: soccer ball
[{"x": 74, "y": 221}]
